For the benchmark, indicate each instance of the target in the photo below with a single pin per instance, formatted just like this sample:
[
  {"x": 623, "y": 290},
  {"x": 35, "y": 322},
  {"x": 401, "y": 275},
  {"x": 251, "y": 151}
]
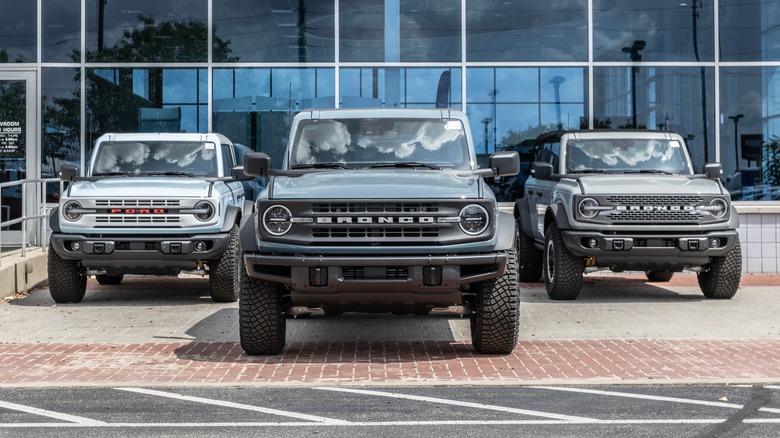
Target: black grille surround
[
  {"x": 656, "y": 209},
  {"x": 376, "y": 224}
]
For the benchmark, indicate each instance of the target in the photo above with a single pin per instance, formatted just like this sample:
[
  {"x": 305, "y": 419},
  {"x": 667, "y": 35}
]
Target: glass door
[{"x": 18, "y": 153}]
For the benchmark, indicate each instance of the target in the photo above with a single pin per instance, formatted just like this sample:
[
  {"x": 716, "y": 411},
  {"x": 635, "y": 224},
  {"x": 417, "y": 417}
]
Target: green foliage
[
  {"x": 168, "y": 41},
  {"x": 771, "y": 162},
  {"x": 513, "y": 137},
  {"x": 112, "y": 105}
]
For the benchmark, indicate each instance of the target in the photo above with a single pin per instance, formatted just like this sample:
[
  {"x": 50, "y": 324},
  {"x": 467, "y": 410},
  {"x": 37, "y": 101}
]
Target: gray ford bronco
[
  {"x": 379, "y": 210},
  {"x": 624, "y": 200},
  {"x": 156, "y": 204}
]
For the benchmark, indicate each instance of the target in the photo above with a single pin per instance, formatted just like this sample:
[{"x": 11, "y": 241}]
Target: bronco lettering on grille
[
  {"x": 654, "y": 208},
  {"x": 377, "y": 220}
]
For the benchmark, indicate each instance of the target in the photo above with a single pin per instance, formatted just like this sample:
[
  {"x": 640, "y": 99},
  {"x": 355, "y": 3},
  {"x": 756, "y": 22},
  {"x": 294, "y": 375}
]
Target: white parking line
[
  {"x": 227, "y": 404},
  {"x": 81, "y": 421},
  {"x": 653, "y": 397},
  {"x": 460, "y": 403},
  {"x": 292, "y": 424}
]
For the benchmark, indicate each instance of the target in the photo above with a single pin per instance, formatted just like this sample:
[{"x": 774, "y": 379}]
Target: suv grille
[
  {"x": 358, "y": 207},
  {"x": 374, "y": 233},
  {"x": 140, "y": 213},
  {"x": 137, "y": 203},
  {"x": 672, "y": 208},
  {"x": 136, "y": 220},
  {"x": 383, "y": 223},
  {"x": 692, "y": 200}
]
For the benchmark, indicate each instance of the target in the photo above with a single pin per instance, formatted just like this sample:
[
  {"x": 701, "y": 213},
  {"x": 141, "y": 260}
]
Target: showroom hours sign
[{"x": 10, "y": 137}]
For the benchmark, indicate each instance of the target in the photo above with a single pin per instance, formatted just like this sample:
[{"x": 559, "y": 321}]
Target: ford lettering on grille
[{"x": 137, "y": 211}]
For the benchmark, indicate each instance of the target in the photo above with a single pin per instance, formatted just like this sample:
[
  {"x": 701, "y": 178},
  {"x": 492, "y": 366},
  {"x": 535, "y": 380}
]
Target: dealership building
[{"x": 72, "y": 70}]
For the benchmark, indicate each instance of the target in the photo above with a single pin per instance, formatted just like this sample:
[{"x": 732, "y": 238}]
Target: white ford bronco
[{"x": 157, "y": 204}]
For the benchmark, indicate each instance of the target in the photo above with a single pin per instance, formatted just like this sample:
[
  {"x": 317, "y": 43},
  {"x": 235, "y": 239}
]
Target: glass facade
[{"x": 707, "y": 69}]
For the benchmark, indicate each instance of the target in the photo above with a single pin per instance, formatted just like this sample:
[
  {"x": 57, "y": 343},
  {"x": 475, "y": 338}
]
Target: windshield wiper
[
  {"x": 170, "y": 173},
  {"x": 320, "y": 166},
  {"x": 665, "y": 172},
  {"x": 588, "y": 171},
  {"x": 110, "y": 174},
  {"x": 406, "y": 164}
]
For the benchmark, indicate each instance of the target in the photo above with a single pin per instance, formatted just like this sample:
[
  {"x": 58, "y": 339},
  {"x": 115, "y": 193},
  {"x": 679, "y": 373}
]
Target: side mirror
[
  {"x": 541, "y": 169},
  {"x": 713, "y": 170},
  {"x": 238, "y": 174},
  {"x": 505, "y": 163},
  {"x": 68, "y": 172},
  {"x": 256, "y": 164}
]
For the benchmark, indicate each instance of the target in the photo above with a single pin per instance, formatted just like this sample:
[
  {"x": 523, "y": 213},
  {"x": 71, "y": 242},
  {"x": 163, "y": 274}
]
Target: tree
[
  {"x": 513, "y": 137},
  {"x": 168, "y": 41},
  {"x": 111, "y": 103}
]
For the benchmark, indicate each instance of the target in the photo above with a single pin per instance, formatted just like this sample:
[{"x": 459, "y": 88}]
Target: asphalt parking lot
[{"x": 167, "y": 331}]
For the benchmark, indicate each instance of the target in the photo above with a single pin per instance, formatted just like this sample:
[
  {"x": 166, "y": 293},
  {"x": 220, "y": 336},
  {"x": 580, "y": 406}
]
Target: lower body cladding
[
  {"x": 376, "y": 284},
  {"x": 155, "y": 255},
  {"x": 637, "y": 251}
]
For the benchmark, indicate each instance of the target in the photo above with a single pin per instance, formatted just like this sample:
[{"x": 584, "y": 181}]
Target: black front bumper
[
  {"x": 440, "y": 271},
  {"x": 319, "y": 280},
  {"x": 650, "y": 251},
  {"x": 140, "y": 254}
]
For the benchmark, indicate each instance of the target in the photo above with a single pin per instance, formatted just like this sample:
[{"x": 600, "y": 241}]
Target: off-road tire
[
  {"x": 495, "y": 319},
  {"x": 261, "y": 321},
  {"x": 67, "y": 279},
  {"x": 224, "y": 273},
  {"x": 108, "y": 280},
  {"x": 562, "y": 270},
  {"x": 529, "y": 258},
  {"x": 659, "y": 276},
  {"x": 721, "y": 279}
]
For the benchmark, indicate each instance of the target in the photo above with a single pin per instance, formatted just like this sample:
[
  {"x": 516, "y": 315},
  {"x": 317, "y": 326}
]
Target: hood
[
  {"x": 377, "y": 184},
  {"x": 648, "y": 184},
  {"x": 136, "y": 187}
]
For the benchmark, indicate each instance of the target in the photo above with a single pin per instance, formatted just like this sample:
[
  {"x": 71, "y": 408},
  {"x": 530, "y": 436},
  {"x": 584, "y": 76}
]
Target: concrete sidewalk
[
  {"x": 20, "y": 273},
  {"x": 166, "y": 331}
]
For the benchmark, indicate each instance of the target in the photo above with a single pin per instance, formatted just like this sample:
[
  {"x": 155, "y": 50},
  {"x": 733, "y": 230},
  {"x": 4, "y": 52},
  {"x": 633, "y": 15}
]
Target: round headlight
[
  {"x": 71, "y": 211},
  {"x": 277, "y": 220},
  {"x": 474, "y": 219},
  {"x": 204, "y": 211},
  {"x": 586, "y": 208},
  {"x": 719, "y": 207}
]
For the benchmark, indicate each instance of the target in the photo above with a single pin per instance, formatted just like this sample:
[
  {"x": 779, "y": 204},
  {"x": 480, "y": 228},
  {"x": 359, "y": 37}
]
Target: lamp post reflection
[
  {"x": 634, "y": 55},
  {"x": 556, "y": 81},
  {"x": 736, "y": 120}
]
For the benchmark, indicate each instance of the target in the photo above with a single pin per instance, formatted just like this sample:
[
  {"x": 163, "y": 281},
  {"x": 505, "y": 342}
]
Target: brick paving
[
  {"x": 620, "y": 330},
  {"x": 362, "y": 363}
]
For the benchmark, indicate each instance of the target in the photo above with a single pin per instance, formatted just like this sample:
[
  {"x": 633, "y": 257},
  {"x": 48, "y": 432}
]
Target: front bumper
[
  {"x": 639, "y": 251},
  {"x": 140, "y": 254},
  {"x": 320, "y": 280}
]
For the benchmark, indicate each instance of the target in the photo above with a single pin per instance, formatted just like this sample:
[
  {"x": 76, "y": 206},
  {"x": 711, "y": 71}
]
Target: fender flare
[
  {"x": 523, "y": 214},
  {"x": 231, "y": 218},
  {"x": 54, "y": 220},
  {"x": 247, "y": 233},
  {"x": 733, "y": 219},
  {"x": 505, "y": 231},
  {"x": 557, "y": 213}
]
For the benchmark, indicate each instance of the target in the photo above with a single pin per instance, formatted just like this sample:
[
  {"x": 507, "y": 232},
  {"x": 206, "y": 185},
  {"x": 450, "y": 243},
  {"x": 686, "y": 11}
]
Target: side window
[
  {"x": 227, "y": 160},
  {"x": 555, "y": 150},
  {"x": 544, "y": 153}
]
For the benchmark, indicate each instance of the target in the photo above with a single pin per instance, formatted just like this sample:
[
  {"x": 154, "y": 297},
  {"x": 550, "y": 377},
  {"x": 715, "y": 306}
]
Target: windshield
[
  {"x": 397, "y": 142},
  {"x": 133, "y": 158},
  {"x": 627, "y": 156}
]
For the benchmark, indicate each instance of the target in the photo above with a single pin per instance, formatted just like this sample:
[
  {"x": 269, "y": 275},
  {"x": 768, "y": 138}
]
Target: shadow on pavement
[{"x": 133, "y": 291}]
